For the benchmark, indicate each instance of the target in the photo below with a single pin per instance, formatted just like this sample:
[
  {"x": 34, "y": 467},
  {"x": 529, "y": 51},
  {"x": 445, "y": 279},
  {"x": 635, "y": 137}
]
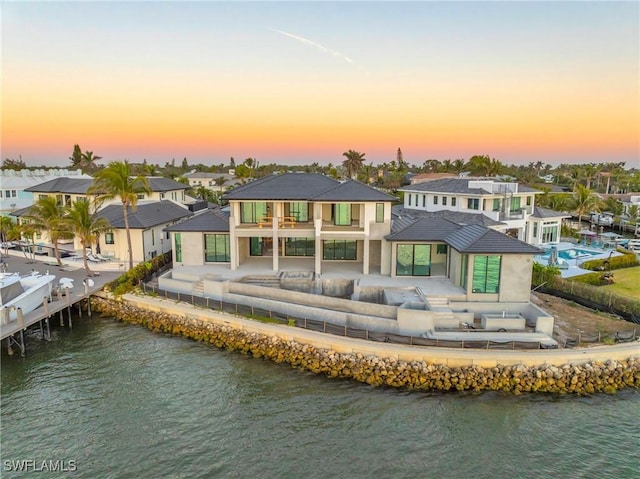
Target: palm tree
[
  {"x": 88, "y": 161},
  {"x": 115, "y": 181},
  {"x": 353, "y": 162},
  {"x": 458, "y": 166},
  {"x": 46, "y": 215},
  {"x": 589, "y": 172},
  {"x": 583, "y": 201},
  {"x": 86, "y": 225}
]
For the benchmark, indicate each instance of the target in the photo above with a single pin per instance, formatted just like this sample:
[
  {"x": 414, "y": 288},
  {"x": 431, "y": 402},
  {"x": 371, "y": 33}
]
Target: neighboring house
[
  {"x": 210, "y": 180},
  {"x": 303, "y": 215},
  {"x": 146, "y": 224},
  {"x": 14, "y": 184},
  {"x": 67, "y": 190},
  {"x": 544, "y": 226},
  {"x": 501, "y": 201}
]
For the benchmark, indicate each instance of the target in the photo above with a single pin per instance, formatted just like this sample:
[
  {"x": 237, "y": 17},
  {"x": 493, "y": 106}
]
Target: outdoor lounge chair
[
  {"x": 102, "y": 258},
  {"x": 93, "y": 259}
]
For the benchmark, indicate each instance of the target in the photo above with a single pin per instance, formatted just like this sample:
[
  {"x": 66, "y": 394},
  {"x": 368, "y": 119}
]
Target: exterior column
[
  {"x": 276, "y": 249},
  {"x": 365, "y": 256},
  {"x": 318, "y": 256}
]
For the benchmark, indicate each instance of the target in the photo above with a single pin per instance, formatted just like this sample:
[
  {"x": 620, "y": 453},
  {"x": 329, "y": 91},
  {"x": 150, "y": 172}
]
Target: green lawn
[{"x": 626, "y": 282}]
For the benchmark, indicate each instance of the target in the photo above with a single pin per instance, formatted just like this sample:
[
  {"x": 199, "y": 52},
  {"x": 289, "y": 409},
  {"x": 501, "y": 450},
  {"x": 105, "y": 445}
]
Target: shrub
[
  {"x": 543, "y": 273},
  {"x": 131, "y": 279},
  {"x": 627, "y": 260}
]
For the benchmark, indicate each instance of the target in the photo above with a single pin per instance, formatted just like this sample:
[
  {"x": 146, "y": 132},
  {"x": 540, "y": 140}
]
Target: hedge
[
  {"x": 131, "y": 279},
  {"x": 627, "y": 260}
]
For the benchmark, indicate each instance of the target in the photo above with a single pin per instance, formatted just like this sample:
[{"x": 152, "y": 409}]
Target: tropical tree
[
  {"x": 86, "y": 226},
  {"x": 88, "y": 163},
  {"x": 46, "y": 215},
  {"x": 13, "y": 164},
  {"x": 76, "y": 157},
  {"x": 482, "y": 165},
  {"x": 115, "y": 181},
  {"x": 458, "y": 166},
  {"x": 353, "y": 162},
  {"x": 583, "y": 201}
]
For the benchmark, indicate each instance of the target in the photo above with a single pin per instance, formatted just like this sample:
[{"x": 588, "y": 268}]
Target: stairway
[
  {"x": 198, "y": 288},
  {"x": 443, "y": 314},
  {"x": 265, "y": 281}
]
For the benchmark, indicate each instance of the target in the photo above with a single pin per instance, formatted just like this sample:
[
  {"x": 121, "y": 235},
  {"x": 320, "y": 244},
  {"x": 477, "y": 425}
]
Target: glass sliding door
[{"x": 413, "y": 260}]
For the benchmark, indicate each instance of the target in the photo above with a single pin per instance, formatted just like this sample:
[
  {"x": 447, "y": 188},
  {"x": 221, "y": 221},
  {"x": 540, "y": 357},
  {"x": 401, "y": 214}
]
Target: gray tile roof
[
  {"x": 288, "y": 186},
  {"x": 458, "y": 217},
  {"x": 146, "y": 215},
  {"x": 423, "y": 229},
  {"x": 539, "y": 212},
  {"x": 79, "y": 186},
  {"x": 160, "y": 183},
  {"x": 305, "y": 187},
  {"x": 352, "y": 190},
  {"x": 446, "y": 185},
  {"x": 480, "y": 240},
  {"x": 457, "y": 186},
  {"x": 211, "y": 221},
  {"x": 476, "y": 239}
]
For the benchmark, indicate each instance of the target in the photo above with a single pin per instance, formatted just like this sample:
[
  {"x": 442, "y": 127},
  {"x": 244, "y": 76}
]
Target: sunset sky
[{"x": 302, "y": 82}]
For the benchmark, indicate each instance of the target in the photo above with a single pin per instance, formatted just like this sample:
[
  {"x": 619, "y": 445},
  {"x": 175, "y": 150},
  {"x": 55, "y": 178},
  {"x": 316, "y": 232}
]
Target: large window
[
  {"x": 178, "y": 240},
  {"x": 300, "y": 247},
  {"x": 379, "y": 212},
  {"x": 253, "y": 212},
  {"x": 535, "y": 229},
  {"x": 453, "y": 201},
  {"x": 473, "y": 203},
  {"x": 342, "y": 214},
  {"x": 299, "y": 210},
  {"x": 413, "y": 260},
  {"x": 515, "y": 203},
  {"x": 496, "y": 204},
  {"x": 549, "y": 233},
  {"x": 339, "y": 250},
  {"x": 486, "y": 274},
  {"x": 464, "y": 269},
  {"x": 216, "y": 248}
]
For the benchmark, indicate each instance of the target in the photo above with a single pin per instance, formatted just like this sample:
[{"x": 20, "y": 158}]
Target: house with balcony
[
  {"x": 301, "y": 217},
  {"x": 509, "y": 206}
]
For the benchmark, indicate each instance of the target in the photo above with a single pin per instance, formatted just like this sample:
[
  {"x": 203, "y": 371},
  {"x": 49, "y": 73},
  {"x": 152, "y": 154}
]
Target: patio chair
[
  {"x": 93, "y": 259},
  {"x": 102, "y": 258}
]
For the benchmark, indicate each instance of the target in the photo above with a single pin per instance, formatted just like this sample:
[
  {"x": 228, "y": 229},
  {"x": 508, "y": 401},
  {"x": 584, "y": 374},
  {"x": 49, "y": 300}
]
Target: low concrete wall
[
  {"x": 178, "y": 286},
  {"x": 313, "y": 300},
  {"x": 340, "y": 318},
  {"x": 448, "y": 356}
]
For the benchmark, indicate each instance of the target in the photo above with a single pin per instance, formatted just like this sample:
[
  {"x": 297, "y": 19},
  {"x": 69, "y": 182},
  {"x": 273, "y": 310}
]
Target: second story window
[
  {"x": 108, "y": 238},
  {"x": 435, "y": 200},
  {"x": 473, "y": 203},
  {"x": 453, "y": 201},
  {"x": 342, "y": 214},
  {"x": 253, "y": 211},
  {"x": 379, "y": 212},
  {"x": 444, "y": 201}
]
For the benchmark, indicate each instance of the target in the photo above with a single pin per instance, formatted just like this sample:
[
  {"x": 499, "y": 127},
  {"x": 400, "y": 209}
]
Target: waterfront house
[
  {"x": 14, "y": 189},
  {"x": 301, "y": 216},
  {"x": 147, "y": 225},
  {"x": 67, "y": 190},
  {"x": 509, "y": 204}
]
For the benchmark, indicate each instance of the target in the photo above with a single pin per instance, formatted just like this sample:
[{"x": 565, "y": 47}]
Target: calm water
[{"x": 123, "y": 402}]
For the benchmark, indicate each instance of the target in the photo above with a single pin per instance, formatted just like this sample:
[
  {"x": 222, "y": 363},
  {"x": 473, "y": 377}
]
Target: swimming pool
[{"x": 574, "y": 253}]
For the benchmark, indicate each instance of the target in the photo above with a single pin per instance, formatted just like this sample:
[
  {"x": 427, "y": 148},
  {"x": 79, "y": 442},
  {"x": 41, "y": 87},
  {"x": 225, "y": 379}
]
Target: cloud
[{"x": 323, "y": 49}]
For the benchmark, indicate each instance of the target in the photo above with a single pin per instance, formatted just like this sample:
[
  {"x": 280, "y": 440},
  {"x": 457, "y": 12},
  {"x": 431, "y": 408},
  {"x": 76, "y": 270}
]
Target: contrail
[{"x": 323, "y": 49}]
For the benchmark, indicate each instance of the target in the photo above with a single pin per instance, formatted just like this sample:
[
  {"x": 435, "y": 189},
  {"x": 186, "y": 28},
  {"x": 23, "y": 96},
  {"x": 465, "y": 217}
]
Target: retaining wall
[{"x": 583, "y": 371}]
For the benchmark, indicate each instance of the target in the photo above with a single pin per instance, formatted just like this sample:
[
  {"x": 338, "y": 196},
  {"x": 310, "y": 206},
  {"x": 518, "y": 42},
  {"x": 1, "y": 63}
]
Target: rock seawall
[{"x": 607, "y": 377}]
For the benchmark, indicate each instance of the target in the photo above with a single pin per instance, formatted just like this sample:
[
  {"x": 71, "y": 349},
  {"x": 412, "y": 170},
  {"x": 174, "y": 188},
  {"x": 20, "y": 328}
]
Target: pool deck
[{"x": 574, "y": 268}]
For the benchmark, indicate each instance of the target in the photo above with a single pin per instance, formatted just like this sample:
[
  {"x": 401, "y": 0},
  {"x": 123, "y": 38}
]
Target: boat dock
[{"x": 61, "y": 302}]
